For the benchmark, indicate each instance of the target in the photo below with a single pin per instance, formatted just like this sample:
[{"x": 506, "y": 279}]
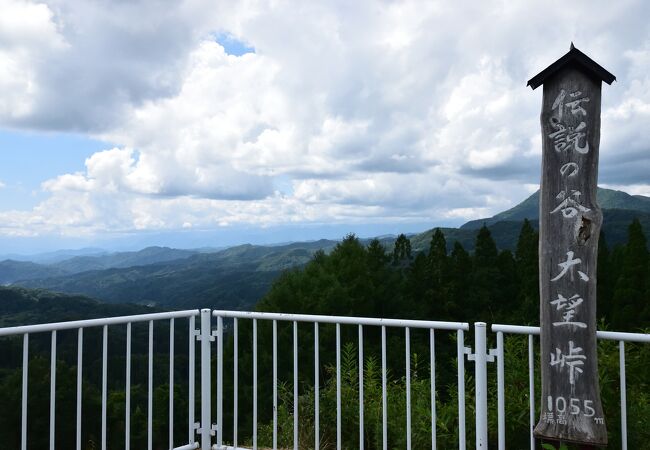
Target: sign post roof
[{"x": 573, "y": 58}]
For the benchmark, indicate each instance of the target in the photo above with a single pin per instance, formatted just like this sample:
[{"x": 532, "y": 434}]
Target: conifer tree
[
  {"x": 630, "y": 291},
  {"x": 385, "y": 282},
  {"x": 527, "y": 261},
  {"x": 461, "y": 272},
  {"x": 484, "y": 280},
  {"x": 438, "y": 282},
  {"x": 417, "y": 303},
  {"x": 507, "y": 304},
  {"x": 402, "y": 250},
  {"x": 485, "y": 249},
  {"x": 605, "y": 283},
  {"x": 437, "y": 258},
  {"x": 348, "y": 262},
  {"x": 377, "y": 258}
]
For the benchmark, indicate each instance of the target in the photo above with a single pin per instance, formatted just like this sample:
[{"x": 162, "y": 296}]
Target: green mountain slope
[
  {"x": 149, "y": 255},
  {"x": 504, "y": 233},
  {"x": 11, "y": 271},
  {"x": 234, "y": 278},
  {"x": 619, "y": 209},
  {"x": 20, "y": 306},
  {"x": 529, "y": 208},
  {"x": 205, "y": 285}
]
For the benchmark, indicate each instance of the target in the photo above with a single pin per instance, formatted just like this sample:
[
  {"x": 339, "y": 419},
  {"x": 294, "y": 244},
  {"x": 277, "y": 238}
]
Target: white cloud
[
  {"x": 632, "y": 189},
  {"x": 371, "y": 111},
  {"x": 28, "y": 34}
]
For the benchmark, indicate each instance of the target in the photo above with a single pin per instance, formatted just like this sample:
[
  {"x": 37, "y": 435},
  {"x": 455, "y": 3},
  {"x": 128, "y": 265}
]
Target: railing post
[
  {"x": 501, "y": 392},
  {"x": 480, "y": 367},
  {"x": 206, "y": 397},
  {"x": 461, "y": 350},
  {"x": 219, "y": 382}
]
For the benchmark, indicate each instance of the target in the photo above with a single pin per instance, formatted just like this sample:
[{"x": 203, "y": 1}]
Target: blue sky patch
[
  {"x": 29, "y": 158},
  {"x": 233, "y": 46}
]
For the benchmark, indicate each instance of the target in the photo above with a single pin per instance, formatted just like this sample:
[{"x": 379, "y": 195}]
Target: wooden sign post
[{"x": 569, "y": 224}]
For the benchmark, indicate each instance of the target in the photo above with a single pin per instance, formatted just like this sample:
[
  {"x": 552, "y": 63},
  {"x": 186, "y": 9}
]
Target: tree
[
  {"x": 402, "y": 251},
  {"x": 461, "y": 272},
  {"x": 437, "y": 290},
  {"x": 527, "y": 272},
  {"x": 377, "y": 257},
  {"x": 606, "y": 279},
  {"x": 507, "y": 306},
  {"x": 484, "y": 280},
  {"x": 629, "y": 294},
  {"x": 417, "y": 303},
  {"x": 386, "y": 283},
  {"x": 437, "y": 258}
]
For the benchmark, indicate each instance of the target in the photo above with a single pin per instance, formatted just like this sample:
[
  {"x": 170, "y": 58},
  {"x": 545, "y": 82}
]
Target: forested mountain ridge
[
  {"x": 399, "y": 269},
  {"x": 504, "y": 232},
  {"x": 12, "y": 270},
  {"x": 21, "y": 306},
  {"x": 233, "y": 278},
  {"x": 489, "y": 284},
  {"x": 619, "y": 210},
  {"x": 54, "y": 256},
  {"x": 608, "y": 199},
  {"x": 146, "y": 256},
  {"x": 172, "y": 286}
]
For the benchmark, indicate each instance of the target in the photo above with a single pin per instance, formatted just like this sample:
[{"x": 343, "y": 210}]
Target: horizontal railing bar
[
  {"x": 621, "y": 336},
  {"x": 344, "y": 320},
  {"x": 515, "y": 329},
  {"x": 609, "y": 335},
  {"x": 74, "y": 324},
  {"x": 188, "y": 446}
]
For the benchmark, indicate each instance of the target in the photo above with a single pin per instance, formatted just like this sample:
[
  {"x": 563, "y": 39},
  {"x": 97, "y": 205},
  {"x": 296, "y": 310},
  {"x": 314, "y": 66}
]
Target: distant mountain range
[
  {"x": 237, "y": 277},
  {"x": 12, "y": 270},
  {"x": 232, "y": 278},
  {"x": 55, "y": 256}
]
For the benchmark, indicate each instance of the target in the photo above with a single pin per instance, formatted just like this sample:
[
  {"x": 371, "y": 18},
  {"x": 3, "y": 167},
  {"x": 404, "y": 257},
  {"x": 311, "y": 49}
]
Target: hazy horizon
[{"x": 207, "y": 239}]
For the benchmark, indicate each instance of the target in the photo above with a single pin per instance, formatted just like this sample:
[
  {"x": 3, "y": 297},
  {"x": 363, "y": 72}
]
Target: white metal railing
[
  {"x": 500, "y": 330},
  {"x": 104, "y": 323},
  {"x": 214, "y": 436},
  {"x": 338, "y": 321}
]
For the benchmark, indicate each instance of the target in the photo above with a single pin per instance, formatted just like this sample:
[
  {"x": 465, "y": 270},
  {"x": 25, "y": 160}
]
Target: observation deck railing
[{"x": 240, "y": 332}]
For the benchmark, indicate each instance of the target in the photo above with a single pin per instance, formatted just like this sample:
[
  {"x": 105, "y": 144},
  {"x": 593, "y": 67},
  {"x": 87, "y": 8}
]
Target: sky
[{"x": 206, "y": 123}]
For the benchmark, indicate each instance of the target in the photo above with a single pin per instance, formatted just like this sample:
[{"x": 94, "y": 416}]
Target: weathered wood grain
[{"x": 570, "y": 222}]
